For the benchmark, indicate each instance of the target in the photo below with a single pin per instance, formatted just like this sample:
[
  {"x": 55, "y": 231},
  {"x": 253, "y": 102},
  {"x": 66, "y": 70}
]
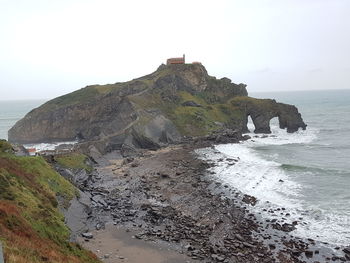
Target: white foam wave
[
  {"x": 47, "y": 146},
  {"x": 275, "y": 187},
  {"x": 255, "y": 176},
  {"x": 280, "y": 137},
  {"x": 261, "y": 178},
  {"x": 324, "y": 226}
]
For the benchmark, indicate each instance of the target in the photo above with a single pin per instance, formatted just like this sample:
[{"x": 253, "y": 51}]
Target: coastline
[{"x": 169, "y": 196}]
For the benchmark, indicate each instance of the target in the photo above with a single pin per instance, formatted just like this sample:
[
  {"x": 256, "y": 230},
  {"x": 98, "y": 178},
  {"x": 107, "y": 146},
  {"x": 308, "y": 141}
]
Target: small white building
[{"x": 31, "y": 151}]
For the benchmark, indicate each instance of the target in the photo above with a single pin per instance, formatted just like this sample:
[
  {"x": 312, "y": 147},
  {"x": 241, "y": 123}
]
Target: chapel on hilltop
[{"x": 180, "y": 60}]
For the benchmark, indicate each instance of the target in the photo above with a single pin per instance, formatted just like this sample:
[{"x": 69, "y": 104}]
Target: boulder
[{"x": 87, "y": 235}]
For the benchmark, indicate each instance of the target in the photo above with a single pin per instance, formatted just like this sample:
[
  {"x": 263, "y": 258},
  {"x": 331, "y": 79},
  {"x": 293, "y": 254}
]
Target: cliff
[
  {"x": 160, "y": 108},
  {"x": 32, "y": 229}
]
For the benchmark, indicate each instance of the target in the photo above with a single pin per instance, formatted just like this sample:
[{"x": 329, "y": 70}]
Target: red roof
[
  {"x": 31, "y": 150},
  {"x": 180, "y": 60}
]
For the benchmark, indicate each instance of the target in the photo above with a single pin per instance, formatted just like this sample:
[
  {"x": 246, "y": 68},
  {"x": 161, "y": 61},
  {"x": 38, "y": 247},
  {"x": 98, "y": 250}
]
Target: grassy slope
[
  {"x": 74, "y": 161},
  {"x": 193, "y": 121},
  {"x": 91, "y": 93},
  {"x": 31, "y": 227}
]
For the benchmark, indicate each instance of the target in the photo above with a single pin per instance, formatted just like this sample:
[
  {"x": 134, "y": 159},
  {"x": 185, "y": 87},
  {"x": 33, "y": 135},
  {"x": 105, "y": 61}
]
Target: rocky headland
[{"x": 151, "y": 112}]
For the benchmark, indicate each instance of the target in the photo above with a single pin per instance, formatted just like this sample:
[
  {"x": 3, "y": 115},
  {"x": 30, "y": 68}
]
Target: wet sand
[{"x": 114, "y": 245}]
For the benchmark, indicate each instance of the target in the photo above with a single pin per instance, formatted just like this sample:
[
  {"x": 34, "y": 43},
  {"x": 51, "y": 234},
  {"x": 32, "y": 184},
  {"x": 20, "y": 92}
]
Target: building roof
[{"x": 31, "y": 150}]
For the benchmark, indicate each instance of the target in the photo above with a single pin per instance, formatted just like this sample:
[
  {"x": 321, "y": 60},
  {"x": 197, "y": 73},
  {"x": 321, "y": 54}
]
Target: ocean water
[
  {"x": 12, "y": 111},
  {"x": 307, "y": 173}
]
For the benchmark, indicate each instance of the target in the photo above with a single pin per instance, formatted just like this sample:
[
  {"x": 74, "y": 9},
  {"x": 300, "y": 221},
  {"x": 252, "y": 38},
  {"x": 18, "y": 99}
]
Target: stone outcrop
[
  {"x": 151, "y": 111},
  {"x": 263, "y": 110}
]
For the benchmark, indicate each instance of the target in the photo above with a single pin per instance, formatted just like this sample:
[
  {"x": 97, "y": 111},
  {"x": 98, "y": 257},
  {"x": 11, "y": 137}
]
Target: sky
[{"x": 50, "y": 48}]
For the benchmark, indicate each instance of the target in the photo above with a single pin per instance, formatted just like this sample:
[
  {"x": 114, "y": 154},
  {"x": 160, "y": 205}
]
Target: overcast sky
[{"x": 49, "y": 48}]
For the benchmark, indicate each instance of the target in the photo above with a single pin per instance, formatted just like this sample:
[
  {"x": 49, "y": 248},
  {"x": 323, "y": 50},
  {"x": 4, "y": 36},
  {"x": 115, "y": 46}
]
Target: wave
[
  {"x": 275, "y": 185},
  {"x": 318, "y": 170},
  {"x": 281, "y": 137},
  {"x": 254, "y": 175},
  {"x": 47, "y": 146}
]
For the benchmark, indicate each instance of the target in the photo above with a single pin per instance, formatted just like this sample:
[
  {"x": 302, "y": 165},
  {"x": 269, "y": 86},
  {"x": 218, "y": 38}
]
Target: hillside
[
  {"x": 32, "y": 229},
  {"x": 154, "y": 110}
]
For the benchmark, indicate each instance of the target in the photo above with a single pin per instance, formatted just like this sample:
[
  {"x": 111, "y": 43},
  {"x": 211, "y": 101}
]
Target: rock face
[
  {"x": 263, "y": 110},
  {"x": 151, "y": 111}
]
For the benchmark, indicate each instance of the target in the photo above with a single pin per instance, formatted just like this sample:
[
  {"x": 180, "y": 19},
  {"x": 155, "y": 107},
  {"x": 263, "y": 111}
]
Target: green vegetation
[
  {"x": 243, "y": 100},
  {"x": 32, "y": 228},
  {"x": 92, "y": 92},
  {"x": 78, "y": 96},
  {"x": 191, "y": 121},
  {"x": 74, "y": 161},
  {"x": 5, "y": 147},
  {"x": 162, "y": 91}
]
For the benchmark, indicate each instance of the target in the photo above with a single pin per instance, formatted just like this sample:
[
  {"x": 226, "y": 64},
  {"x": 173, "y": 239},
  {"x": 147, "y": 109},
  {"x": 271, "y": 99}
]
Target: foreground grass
[{"x": 31, "y": 227}]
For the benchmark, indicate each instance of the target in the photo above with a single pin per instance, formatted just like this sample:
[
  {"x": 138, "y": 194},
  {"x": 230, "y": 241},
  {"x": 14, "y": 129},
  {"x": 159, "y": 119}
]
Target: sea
[{"x": 306, "y": 173}]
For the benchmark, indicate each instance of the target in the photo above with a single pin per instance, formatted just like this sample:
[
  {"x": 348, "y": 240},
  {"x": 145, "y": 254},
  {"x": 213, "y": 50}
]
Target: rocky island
[
  {"x": 152, "y": 111},
  {"x": 142, "y": 192}
]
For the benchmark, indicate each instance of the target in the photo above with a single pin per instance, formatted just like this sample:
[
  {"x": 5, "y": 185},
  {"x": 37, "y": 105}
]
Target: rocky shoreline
[{"x": 169, "y": 196}]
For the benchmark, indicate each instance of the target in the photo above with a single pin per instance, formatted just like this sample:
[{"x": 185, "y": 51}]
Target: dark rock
[
  {"x": 296, "y": 253},
  {"x": 128, "y": 150},
  {"x": 87, "y": 235},
  {"x": 248, "y": 199},
  {"x": 309, "y": 254},
  {"x": 262, "y": 111},
  {"x": 248, "y": 245},
  {"x": 217, "y": 257},
  {"x": 99, "y": 199},
  {"x": 284, "y": 227},
  {"x": 189, "y": 247},
  {"x": 239, "y": 237},
  {"x": 138, "y": 236},
  {"x": 246, "y": 137},
  {"x": 347, "y": 250},
  {"x": 191, "y": 103},
  {"x": 135, "y": 164}
]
